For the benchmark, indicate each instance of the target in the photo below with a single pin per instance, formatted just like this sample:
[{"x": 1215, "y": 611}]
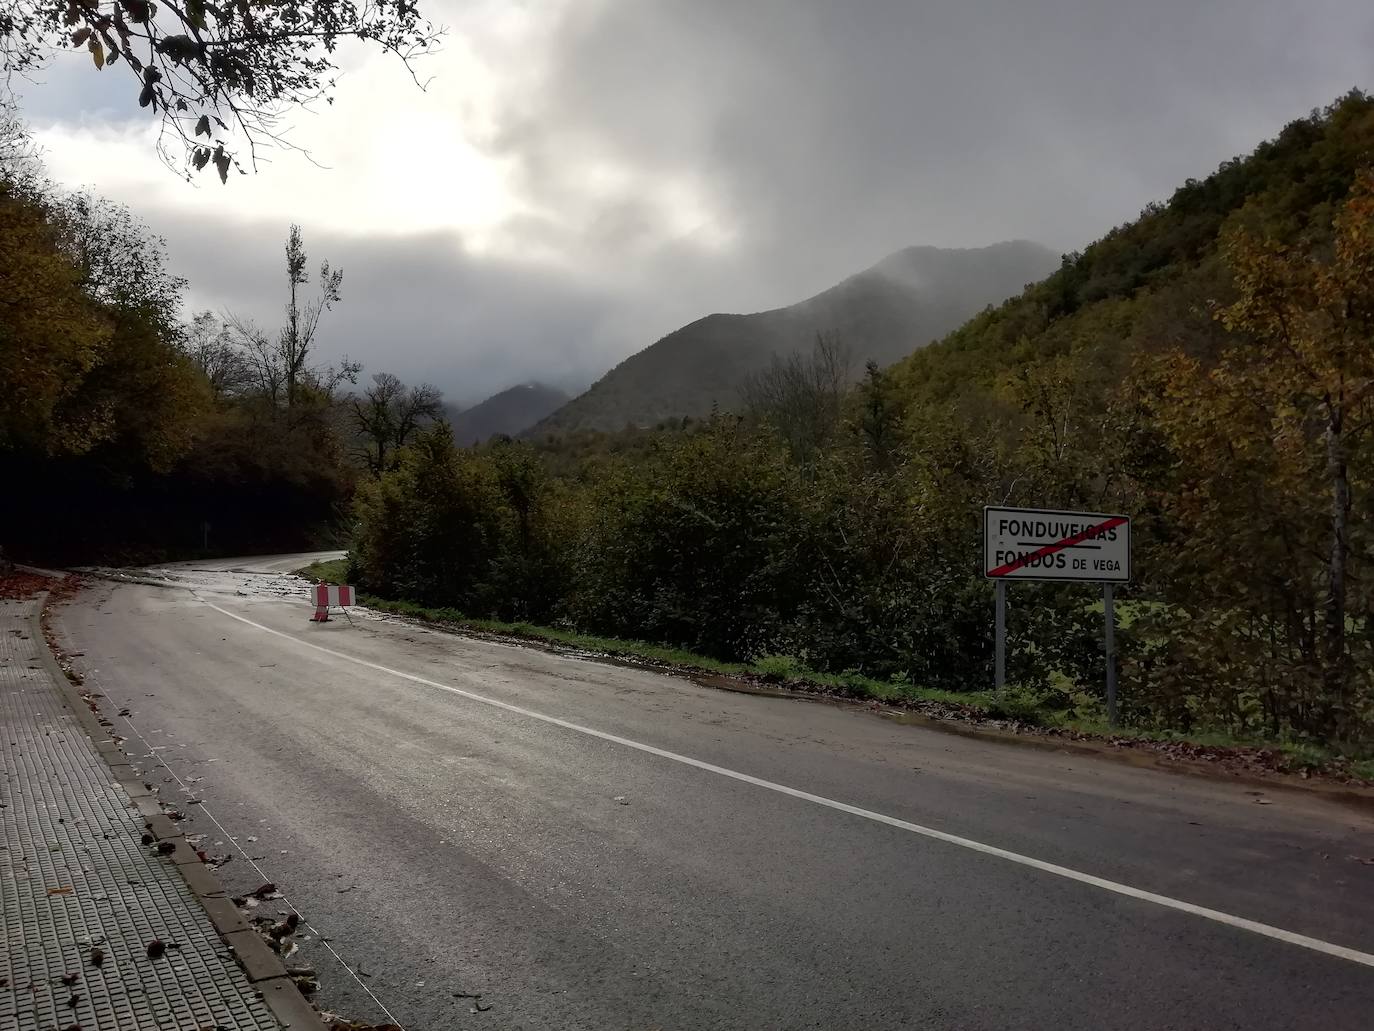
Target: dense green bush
[
  {"x": 696, "y": 546},
  {"x": 485, "y": 532},
  {"x": 711, "y": 540}
]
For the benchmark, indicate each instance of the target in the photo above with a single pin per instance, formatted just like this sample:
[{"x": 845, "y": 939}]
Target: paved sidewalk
[{"x": 75, "y": 878}]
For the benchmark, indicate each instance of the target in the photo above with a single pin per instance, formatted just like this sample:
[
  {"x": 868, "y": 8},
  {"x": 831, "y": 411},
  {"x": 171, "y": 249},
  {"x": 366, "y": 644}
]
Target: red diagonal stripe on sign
[{"x": 1050, "y": 549}]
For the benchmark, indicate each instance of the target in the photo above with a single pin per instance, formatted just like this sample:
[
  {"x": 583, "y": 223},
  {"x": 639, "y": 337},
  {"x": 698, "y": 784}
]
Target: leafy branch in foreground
[{"x": 213, "y": 69}]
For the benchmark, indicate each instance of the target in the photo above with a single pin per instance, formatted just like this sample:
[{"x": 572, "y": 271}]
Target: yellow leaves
[
  {"x": 1354, "y": 264},
  {"x": 1309, "y": 314},
  {"x": 51, "y": 334},
  {"x": 97, "y": 51}
]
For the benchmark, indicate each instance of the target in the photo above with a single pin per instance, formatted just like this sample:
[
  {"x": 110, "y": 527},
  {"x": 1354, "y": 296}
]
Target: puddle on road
[{"x": 241, "y": 583}]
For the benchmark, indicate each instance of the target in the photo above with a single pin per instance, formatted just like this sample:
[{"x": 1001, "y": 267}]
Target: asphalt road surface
[{"x": 594, "y": 846}]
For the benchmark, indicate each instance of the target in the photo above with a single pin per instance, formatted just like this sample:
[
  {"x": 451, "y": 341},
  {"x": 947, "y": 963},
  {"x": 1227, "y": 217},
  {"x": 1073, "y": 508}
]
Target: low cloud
[{"x": 582, "y": 176}]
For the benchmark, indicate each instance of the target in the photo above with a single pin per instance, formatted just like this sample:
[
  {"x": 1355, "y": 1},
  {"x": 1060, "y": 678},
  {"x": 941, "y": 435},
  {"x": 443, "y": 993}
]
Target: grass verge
[
  {"x": 332, "y": 571},
  {"x": 777, "y": 669},
  {"x": 1015, "y": 711}
]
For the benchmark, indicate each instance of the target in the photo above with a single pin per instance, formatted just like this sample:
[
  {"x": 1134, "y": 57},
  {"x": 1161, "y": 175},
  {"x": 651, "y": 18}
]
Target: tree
[
  {"x": 879, "y": 416},
  {"x": 88, "y": 334},
  {"x": 1271, "y": 446},
  {"x": 389, "y": 414},
  {"x": 213, "y": 69},
  {"x": 1313, "y": 321},
  {"x": 801, "y": 396},
  {"x": 19, "y": 164},
  {"x": 121, "y": 263},
  {"x": 303, "y": 321},
  {"x": 52, "y": 334},
  {"x": 259, "y": 351},
  {"x": 209, "y": 343},
  {"x": 281, "y": 367}
]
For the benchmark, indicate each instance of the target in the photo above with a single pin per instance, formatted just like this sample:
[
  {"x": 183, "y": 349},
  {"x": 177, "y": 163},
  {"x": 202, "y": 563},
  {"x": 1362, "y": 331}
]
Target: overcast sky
[{"x": 583, "y": 176}]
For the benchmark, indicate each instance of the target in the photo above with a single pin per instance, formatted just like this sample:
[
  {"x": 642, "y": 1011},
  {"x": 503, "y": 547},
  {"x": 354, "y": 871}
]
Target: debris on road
[{"x": 286, "y": 927}]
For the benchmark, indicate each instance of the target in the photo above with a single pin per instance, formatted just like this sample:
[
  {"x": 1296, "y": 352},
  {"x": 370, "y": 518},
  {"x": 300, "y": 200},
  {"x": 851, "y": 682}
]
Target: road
[{"x": 593, "y": 846}]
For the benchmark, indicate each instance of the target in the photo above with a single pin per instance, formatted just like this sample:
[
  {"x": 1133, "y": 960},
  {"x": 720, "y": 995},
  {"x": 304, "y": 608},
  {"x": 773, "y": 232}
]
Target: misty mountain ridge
[
  {"x": 509, "y": 412},
  {"x": 883, "y": 313}
]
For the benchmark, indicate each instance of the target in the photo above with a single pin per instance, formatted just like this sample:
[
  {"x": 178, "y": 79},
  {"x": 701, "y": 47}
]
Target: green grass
[
  {"x": 780, "y": 669},
  {"x": 333, "y": 571}
]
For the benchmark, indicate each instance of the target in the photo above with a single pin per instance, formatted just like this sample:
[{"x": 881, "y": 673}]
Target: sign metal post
[
  {"x": 1001, "y": 660},
  {"x": 1109, "y": 640}
]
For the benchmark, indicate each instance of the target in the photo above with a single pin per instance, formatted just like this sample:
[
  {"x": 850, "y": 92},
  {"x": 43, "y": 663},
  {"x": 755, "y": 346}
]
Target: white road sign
[{"x": 1037, "y": 544}]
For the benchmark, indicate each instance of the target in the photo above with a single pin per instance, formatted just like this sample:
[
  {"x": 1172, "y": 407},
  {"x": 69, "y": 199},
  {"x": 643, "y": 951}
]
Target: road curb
[{"x": 291, "y": 1008}]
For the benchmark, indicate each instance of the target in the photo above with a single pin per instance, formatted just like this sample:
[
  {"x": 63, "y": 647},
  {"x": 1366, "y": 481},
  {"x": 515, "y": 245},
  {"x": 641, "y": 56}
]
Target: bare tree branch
[{"x": 215, "y": 71}]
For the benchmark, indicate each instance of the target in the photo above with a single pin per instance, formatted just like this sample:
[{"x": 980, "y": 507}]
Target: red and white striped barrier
[{"x": 329, "y": 596}]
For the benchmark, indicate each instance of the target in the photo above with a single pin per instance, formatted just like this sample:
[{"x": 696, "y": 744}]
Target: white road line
[{"x": 1254, "y": 926}]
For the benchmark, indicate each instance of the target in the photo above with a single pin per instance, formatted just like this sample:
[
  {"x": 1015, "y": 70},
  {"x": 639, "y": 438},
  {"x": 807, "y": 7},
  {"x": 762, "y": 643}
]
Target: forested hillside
[
  {"x": 905, "y": 301},
  {"x": 1207, "y": 368}
]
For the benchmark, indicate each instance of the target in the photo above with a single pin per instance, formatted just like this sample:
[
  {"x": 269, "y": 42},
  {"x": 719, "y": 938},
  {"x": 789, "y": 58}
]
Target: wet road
[{"x": 591, "y": 846}]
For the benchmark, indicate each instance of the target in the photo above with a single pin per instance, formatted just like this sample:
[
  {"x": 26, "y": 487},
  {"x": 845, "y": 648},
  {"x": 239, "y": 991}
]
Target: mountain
[
  {"x": 883, "y": 313},
  {"x": 510, "y": 412}
]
